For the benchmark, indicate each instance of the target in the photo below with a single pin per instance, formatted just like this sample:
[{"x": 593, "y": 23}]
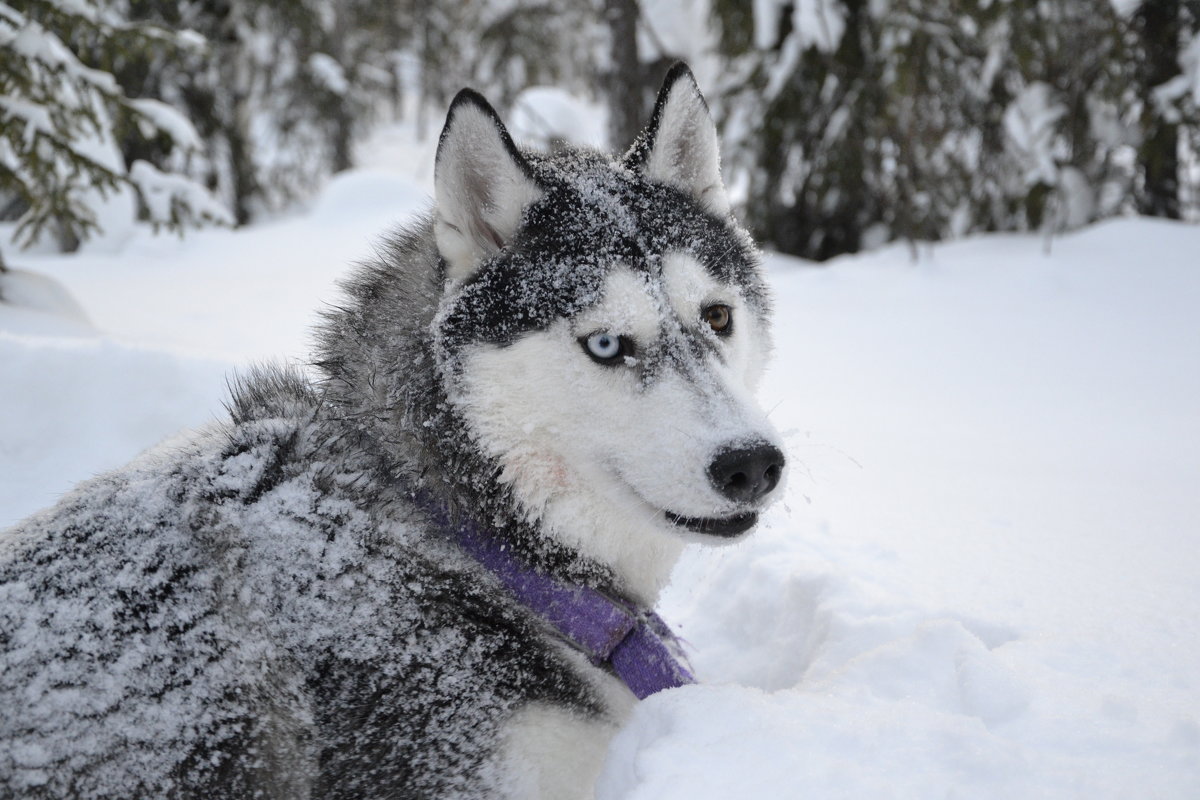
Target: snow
[
  {"x": 815, "y": 23},
  {"x": 79, "y": 130},
  {"x": 766, "y": 23},
  {"x": 35, "y": 43},
  {"x": 981, "y": 583},
  {"x": 165, "y": 193},
  {"x": 1125, "y": 7},
  {"x": 40, "y": 305},
  {"x": 1030, "y": 122},
  {"x": 1188, "y": 81},
  {"x": 114, "y": 210},
  {"x": 77, "y": 405},
  {"x": 1189, "y": 63},
  {"x": 819, "y": 23},
  {"x": 158, "y": 116},
  {"x": 543, "y": 114},
  {"x": 329, "y": 73},
  {"x": 681, "y": 29},
  {"x": 36, "y": 117}
]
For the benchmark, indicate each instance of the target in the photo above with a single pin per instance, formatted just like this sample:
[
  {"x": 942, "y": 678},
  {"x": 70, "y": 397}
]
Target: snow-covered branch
[{"x": 60, "y": 120}]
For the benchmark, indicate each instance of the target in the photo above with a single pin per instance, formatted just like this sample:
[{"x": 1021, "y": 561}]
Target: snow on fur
[
  {"x": 231, "y": 606},
  {"x": 996, "y": 450},
  {"x": 265, "y": 606}
]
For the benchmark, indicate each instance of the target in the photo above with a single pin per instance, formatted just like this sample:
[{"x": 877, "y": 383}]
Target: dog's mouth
[{"x": 715, "y": 526}]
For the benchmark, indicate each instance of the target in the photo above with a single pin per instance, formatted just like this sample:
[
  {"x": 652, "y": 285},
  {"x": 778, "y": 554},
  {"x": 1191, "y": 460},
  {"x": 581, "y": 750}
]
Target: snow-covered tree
[
  {"x": 288, "y": 87},
  {"x": 61, "y": 118},
  {"x": 852, "y": 122},
  {"x": 240, "y": 93},
  {"x": 504, "y": 46},
  {"x": 780, "y": 144},
  {"x": 1168, "y": 41}
]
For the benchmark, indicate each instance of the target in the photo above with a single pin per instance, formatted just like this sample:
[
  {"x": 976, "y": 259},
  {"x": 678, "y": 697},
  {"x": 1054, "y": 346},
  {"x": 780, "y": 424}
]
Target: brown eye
[{"x": 718, "y": 318}]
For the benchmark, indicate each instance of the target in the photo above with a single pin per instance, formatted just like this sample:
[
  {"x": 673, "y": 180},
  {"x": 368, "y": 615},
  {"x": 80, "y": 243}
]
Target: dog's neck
[
  {"x": 608, "y": 550},
  {"x": 630, "y": 639},
  {"x": 585, "y": 532}
]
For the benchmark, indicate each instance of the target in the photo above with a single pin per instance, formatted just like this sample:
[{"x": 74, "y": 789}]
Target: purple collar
[{"x": 635, "y": 642}]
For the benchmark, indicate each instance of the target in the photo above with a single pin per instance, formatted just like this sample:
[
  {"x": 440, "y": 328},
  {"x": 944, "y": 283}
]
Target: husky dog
[{"x": 381, "y": 582}]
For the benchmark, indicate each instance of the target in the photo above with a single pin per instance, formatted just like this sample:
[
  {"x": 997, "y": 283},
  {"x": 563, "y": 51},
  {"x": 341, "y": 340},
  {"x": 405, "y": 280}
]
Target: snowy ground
[{"x": 985, "y": 579}]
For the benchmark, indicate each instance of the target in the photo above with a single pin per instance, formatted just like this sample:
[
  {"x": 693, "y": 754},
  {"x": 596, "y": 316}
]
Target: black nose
[{"x": 745, "y": 474}]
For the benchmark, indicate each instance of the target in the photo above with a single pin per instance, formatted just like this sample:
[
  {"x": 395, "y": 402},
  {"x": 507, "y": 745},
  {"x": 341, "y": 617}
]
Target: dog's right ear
[{"x": 482, "y": 186}]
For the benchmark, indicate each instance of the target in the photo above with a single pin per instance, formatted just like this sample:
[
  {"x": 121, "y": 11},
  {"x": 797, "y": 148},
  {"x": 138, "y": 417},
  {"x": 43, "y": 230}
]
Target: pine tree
[
  {"x": 287, "y": 88},
  {"x": 1168, "y": 76},
  {"x": 853, "y": 122},
  {"x": 625, "y": 95},
  {"x": 60, "y": 118}
]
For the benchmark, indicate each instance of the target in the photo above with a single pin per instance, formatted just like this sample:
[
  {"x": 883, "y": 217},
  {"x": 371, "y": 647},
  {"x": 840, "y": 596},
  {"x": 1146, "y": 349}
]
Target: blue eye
[
  {"x": 607, "y": 347},
  {"x": 603, "y": 345}
]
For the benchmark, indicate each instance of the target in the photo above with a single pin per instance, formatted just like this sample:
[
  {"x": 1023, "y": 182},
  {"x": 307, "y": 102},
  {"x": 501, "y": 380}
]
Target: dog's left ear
[
  {"x": 679, "y": 147},
  {"x": 482, "y": 185}
]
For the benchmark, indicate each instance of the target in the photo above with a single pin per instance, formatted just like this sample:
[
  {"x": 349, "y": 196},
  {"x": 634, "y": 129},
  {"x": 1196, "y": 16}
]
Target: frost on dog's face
[{"x": 605, "y": 323}]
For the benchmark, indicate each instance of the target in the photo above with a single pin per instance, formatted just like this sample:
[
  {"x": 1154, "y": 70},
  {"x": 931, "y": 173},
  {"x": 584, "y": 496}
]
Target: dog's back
[{"x": 232, "y": 616}]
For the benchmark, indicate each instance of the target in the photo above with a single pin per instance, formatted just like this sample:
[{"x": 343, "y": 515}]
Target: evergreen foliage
[
  {"x": 853, "y": 122},
  {"x": 289, "y": 86},
  {"x": 847, "y": 123},
  {"x": 258, "y": 100},
  {"x": 60, "y": 118}
]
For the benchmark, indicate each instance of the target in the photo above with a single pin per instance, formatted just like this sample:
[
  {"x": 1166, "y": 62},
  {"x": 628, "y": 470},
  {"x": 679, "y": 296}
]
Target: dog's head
[{"x": 604, "y": 324}]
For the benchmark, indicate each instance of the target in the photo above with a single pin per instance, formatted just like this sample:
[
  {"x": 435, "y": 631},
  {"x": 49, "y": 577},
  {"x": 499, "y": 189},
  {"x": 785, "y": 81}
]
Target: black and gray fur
[{"x": 259, "y": 609}]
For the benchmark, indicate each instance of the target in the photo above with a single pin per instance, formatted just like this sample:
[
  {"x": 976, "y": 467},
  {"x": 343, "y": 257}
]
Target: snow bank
[
  {"x": 819, "y": 684},
  {"x": 244, "y": 295},
  {"x": 36, "y": 304},
  {"x": 72, "y": 407}
]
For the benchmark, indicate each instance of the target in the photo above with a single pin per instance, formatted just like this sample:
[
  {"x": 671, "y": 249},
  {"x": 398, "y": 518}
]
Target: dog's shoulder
[{"x": 249, "y": 576}]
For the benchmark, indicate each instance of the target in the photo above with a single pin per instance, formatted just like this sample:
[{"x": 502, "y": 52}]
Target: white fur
[
  {"x": 481, "y": 191},
  {"x": 551, "y": 752},
  {"x": 685, "y": 152},
  {"x": 597, "y": 455},
  {"x": 554, "y": 753}
]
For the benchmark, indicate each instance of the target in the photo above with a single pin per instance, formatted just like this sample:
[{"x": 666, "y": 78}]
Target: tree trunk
[
  {"x": 241, "y": 165},
  {"x": 343, "y": 137},
  {"x": 340, "y": 111},
  {"x": 1158, "y": 23},
  {"x": 625, "y": 90}
]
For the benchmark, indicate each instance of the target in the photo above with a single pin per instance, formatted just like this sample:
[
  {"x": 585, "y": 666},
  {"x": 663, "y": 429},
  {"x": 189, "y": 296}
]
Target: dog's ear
[
  {"x": 482, "y": 186},
  {"x": 679, "y": 147}
]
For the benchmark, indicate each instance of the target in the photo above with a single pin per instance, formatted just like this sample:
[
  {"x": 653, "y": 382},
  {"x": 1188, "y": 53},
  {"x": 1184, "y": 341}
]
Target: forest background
[{"x": 846, "y": 124}]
